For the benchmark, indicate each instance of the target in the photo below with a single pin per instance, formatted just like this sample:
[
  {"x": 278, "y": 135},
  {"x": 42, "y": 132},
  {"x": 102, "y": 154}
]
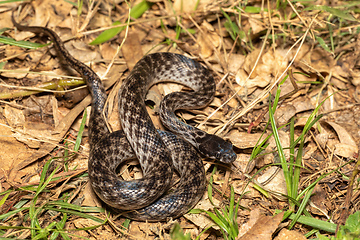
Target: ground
[{"x": 297, "y": 157}]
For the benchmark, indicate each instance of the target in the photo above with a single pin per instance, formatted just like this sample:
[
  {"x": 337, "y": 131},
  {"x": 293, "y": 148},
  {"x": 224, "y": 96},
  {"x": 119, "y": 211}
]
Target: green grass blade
[
  {"x": 23, "y": 44},
  {"x": 252, "y": 9},
  {"x": 331, "y": 33},
  {"x": 232, "y": 202},
  {"x": 301, "y": 209},
  {"x": 74, "y": 207},
  {"x": 235, "y": 217},
  {"x": 220, "y": 216},
  {"x": 279, "y": 147},
  {"x": 297, "y": 168},
  {"x": 80, "y": 133},
  {"x": 43, "y": 174},
  {"x": 260, "y": 147},
  {"x": 108, "y": 34},
  {"x": 46, "y": 182},
  {"x": 3, "y": 200},
  {"x": 80, "y": 214},
  {"x": 60, "y": 227},
  {"x": 307, "y": 127},
  {"x": 230, "y": 26},
  {"x": 217, "y": 220},
  {"x": 72, "y": 3},
  {"x": 139, "y": 9},
  {"x": 135, "y": 12},
  {"x": 66, "y": 156},
  {"x": 202, "y": 232},
  {"x": 340, "y": 13},
  {"x": 42, "y": 235},
  {"x": 210, "y": 185},
  {"x": 34, "y": 224},
  {"x": 80, "y": 7},
  {"x": 13, "y": 212},
  {"x": 319, "y": 179},
  {"x": 292, "y": 155},
  {"x": 322, "y": 43},
  {"x": 315, "y": 223}
]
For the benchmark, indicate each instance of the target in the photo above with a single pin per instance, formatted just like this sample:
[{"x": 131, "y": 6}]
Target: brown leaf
[
  {"x": 284, "y": 113},
  {"x": 317, "y": 201},
  {"x": 245, "y": 140},
  {"x": 347, "y": 146},
  {"x": 235, "y": 61},
  {"x": 287, "y": 234},
  {"x": 189, "y": 5},
  {"x": 107, "y": 51},
  {"x": 302, "y": 104},
  {"x": 263, "y": 228},
  {"x": 316, "y": 61},
  {"x": 208, "y": 39},
  {"x": 270, "y": 64},
  {"x": 12, "y": 154},
  {"x": 202, "y": 220},
  {"x": 273, "y": 180},
  {"x": 132, "y": 50},
  {"x": 81, "y": 51},
  {"x": 90, "y": 198},
  {"x": 256, "y": 25}
]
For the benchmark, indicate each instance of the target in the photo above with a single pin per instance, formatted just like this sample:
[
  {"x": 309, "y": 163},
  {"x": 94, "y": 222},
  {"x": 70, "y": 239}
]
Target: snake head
[{"x": 215, "y": 147}]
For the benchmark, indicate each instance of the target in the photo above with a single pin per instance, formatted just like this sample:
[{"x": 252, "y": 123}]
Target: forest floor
[{"x": 287, "y": 75}]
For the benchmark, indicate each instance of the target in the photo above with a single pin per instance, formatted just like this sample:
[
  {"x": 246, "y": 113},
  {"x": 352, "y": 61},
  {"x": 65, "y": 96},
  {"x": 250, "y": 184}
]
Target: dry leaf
[
  {"x": 284, "y": 113},
  {"x": 355, "y": 76},
  {"x": 245, "y": 140},
  {"x": 254, "y": 215},
  {"x": 90, "y": 198},
  {"x": 235, "y": 61},
  {"x": 242, "y": 161},
  {"x": 208, "y": 39},
  {"x": 256, "y": 25},
  {"x": 273, "y": 180},
  {"x": 202, "y": 220},
  {"x": 81, "y": 51},
  {"x": 263, "y": 228},
  {"x": 14, "y": 116},
  {"x": 317, "y": 201},
  {"x": 107, "y": 51},
  {"x": 343, "y": 135},
  {"x": 12, "y": 154},
  {"x": 15, "y": 51},
  {"x": 19, "y": 73},
  {"x": 347, "y": 146},
  {"x": 287, "y": 234},
  {"x": 316, "y": 61},
  {"x": 270, "y": 64},
  {"x": 346, "y": 150},
  {"x": 182, "y": 6},
  {"x": 132, "y": 50},
  {"x": 322, "y": 138},
  {"x": 303, "y": 104},
  {"x": 188, "y": 6}
]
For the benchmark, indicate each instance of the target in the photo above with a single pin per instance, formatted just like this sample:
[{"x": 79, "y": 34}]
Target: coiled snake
[{"x": 158, "y": 152}]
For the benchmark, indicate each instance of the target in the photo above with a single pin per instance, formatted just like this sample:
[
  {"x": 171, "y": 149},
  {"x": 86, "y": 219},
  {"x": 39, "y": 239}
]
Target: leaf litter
[{"x": 248, "y": 62}]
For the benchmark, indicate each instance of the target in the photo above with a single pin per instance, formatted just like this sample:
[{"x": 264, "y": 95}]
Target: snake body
[{"x": 158, "y": 152}]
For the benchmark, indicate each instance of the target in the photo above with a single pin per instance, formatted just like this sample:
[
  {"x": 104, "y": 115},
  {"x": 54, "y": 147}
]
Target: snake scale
[{"x": 158, "y": 152}]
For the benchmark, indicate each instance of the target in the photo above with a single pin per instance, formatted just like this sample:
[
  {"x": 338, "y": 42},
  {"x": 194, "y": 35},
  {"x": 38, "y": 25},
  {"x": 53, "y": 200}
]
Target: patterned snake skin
[{"x": 158, "y": 152}]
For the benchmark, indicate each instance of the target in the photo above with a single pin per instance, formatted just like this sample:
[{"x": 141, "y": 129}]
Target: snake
[{"x": 154, "y": 197}]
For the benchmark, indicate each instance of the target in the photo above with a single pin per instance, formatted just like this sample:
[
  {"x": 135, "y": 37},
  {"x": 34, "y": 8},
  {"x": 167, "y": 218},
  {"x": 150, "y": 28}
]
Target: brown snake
[{"x": 158, "y": 152}]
